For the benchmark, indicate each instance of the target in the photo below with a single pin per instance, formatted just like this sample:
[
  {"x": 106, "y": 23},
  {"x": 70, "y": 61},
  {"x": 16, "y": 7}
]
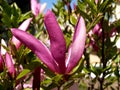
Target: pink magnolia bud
[
  {"x": 10, "y": 66},
  {"x": 113, "y": 32},
  {"x": 24, "y": 26},
  {"x": 94, "y": 45},
  {"x": 37, "y": 8},
  {"x": 97, "y": 30},
  {"x": 96, "y": 1}
]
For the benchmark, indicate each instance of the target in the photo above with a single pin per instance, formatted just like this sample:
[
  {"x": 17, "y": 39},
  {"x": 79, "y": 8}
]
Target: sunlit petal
[
  {"x": 77, "y": 46},
  {"x": 42, "y": 7},
  {"x": 35, "y": 7},
  {"x": 10, "y": 66}
]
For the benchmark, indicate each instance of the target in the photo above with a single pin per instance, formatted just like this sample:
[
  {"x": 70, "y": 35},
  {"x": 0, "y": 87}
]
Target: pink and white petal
[
  {"x": 42, "y": 7},
  {"x": 96, "y": 1},
  {"x": 97, "y": 29},
  {"x": 57, "y": 41},
  {"x": 34, "y": 7},
  {"x": 3, "y": 50},
  {"x": 37, "y": 47},
  {"x": 76, "y": 48},
  {"x": 9, "y": 64},
  {"x": 16, "y": 42},
  {"x": 38, "y": 9},
  {"x": 24, "y": 26}
]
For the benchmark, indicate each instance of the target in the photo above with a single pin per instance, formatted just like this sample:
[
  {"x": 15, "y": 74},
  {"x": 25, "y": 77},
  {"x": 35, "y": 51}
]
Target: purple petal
[
  {"x": 37, "y": 47},
  {"x": 24, "y": 26},
  {"x": 113, "y": 32},
  {"x": 10, "y": 66},
  {"x": 57, "y": 41},
  {"x": 94, "y": 45},
  {"x": 1, "y": 63},
  {"x": 77, "y": 46},
  {"x": 96, "y": 29}
]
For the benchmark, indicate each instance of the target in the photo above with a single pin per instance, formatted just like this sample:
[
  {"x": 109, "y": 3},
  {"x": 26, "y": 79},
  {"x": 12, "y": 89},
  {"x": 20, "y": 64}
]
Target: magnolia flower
[
  {"x": 9, "y": 64},
  {"x": 97, "y": 30},
  {"x": 8, "y": 60},
  {"x": 113, "y": 32},
  {"x": 24, "y": 27},
  {"x": 56, "y": 58},
  {"x": 37, "y": 8}
]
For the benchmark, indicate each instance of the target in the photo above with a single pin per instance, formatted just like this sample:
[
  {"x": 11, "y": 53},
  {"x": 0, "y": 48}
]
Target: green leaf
[
  {"x": 83, "y": 86},
  {"x": 79, "y": 67},
  {"x": 24, "y": 16},
  {"x": 27, "y": 89},
  {"x": 11, "y": 14},
  {"x": 96, "y": 70},
  {"x": 68, "y": 39},
  {"x": 34, "y": 64},
  {"x": 46, "y": 82},
  {"x": 6, "y": 20},
  {"x": 81, "y": 6},
  {"x": 73, "y": 20},
  {"x": 68, "y": 84},
  {"x": 23, "y": 73},
  {"x": 49, "y": 87},
  {"x": 86, "y": 70},
  {"x": 103, "y": 5},
  {"x": 5, "y": 7},
  {"x": 90, "y": 25},
  {"x": 92, "y": 6},
  {"x": 57, "y": 78}
]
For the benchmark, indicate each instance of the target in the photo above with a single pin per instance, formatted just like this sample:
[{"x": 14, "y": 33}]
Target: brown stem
[
  {"x": 58, "y": 88},
  {"x": 68, "y": 6},
  {"x": 103, "y": 60},
  {"x": 36, "y": 79}
]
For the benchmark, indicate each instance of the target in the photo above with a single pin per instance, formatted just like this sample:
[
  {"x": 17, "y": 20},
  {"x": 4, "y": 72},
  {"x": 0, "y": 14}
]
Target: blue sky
[{"x": 50, "y": 3}]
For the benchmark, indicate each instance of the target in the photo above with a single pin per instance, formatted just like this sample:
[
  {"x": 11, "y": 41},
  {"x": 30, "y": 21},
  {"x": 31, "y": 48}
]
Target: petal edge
[
  {"x": 77, "y": 46},
  {"x": 37, "y": 47}
]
